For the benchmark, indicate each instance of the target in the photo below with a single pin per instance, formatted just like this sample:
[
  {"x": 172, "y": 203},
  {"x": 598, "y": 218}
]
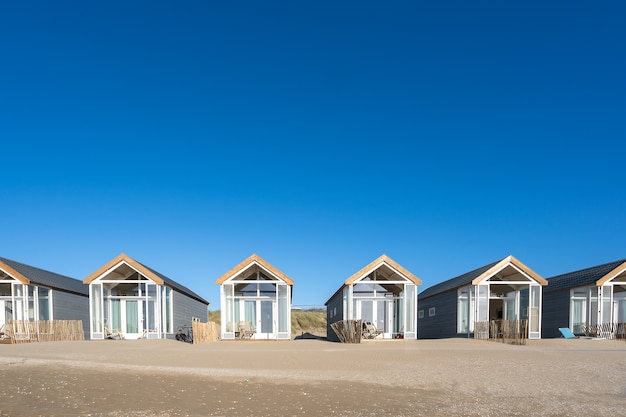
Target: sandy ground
[{"x": 457, "y": 377}]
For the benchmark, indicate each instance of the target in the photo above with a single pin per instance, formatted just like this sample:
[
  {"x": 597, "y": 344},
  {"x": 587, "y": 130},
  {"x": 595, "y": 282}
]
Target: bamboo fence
[
  {"x": 509, "y": 331},
  {"x": 348, "y": 331},
  {"x": 205, "y": 332},
  {"x": 25, "y": 331},
  {"x": 481, "y": 330},
  {"x": 605, "y": 330}
]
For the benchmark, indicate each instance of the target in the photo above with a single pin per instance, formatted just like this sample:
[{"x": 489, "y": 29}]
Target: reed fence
[
  {"x": 348, "y": 331},
  {"x": 205, "y": 332},
  {"x": 509, "y": 331},
  {"x": 506, "y": 331},
  {"x": 606, "y": 330},
  {"x": 25, "y": 331}
]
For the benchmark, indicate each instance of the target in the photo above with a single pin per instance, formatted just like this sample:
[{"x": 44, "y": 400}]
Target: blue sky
[{"x": 319, "y": 135}]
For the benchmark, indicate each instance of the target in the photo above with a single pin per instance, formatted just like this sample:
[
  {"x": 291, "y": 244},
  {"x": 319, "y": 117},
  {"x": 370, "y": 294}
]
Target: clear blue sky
[{"x": 319, "y": 135}]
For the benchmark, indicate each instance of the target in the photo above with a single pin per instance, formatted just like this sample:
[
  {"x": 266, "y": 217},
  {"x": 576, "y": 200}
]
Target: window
[
  {"x": 44, "y": 303},
  {"x": 421, "y": 314},
  {"x": 431, "y": 312}
]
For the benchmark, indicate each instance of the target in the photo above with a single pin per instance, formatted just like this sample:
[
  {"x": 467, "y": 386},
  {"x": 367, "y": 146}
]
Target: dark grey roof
[
  {"x": 178, "y": 287},
  {"x": 581, "y": 277},
  {"x": 456, "y": 282},
  {"x": 48, "y": 279}
]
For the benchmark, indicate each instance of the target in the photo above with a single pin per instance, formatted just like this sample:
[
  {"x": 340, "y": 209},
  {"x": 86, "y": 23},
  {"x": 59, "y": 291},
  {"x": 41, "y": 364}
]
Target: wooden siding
[
  {"x": 335, "y": 302},
  {"x": 185, "y": 308},
  {"x": 68, "y": 306},
  {"x": 443, "y": 323},
  {"x": 555, "y": 312}
]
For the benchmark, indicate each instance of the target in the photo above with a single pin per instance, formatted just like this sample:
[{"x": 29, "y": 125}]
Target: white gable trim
[
  {"x": 405, "y": 279},
  {"x": 248, "y": 266}
]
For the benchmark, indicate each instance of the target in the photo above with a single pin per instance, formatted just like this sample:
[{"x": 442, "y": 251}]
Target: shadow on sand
[{"x": 309, "y": 336}]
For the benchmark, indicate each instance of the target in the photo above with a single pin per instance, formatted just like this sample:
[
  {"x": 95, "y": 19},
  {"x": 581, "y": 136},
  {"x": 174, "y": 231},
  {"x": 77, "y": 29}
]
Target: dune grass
[{"x": 302, "y": 321}]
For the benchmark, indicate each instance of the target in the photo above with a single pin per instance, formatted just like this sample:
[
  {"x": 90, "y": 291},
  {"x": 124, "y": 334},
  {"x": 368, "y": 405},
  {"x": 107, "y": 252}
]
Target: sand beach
[{"x": 458, "y": 377}]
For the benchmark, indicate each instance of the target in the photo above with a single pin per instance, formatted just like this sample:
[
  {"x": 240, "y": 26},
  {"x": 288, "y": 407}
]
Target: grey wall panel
[
  {"x": 185, "y": 308},
  {"x": 334, "y": 303},
  {"x": 555, "y": 312},
  {"x": 443, "y": 323},
  {"x": 68, "y": 306}
]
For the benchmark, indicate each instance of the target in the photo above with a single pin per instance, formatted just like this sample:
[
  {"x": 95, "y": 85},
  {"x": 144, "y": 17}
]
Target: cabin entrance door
[
  {"x": 266, "y": 319},
  {"x": 127, "y": 316},
  {"x": 6, "y": 311}
]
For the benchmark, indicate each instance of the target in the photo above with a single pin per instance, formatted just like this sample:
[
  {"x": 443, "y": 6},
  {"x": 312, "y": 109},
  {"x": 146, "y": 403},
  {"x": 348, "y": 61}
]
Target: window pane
[{"x": 44, "y": 304}]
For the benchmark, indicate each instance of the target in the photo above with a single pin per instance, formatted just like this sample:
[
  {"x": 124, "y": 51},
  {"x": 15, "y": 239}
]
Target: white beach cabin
[
  {"x": 255, "y": 300},
  {"x": 135, "y": 301},
  {"x": 32, "y": 294},
  {"x": 382, "y": 293},
  {"x": 467, "y": 304}
]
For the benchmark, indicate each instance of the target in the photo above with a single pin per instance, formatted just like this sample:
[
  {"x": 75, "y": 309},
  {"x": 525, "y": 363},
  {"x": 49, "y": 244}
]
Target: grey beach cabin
[
  {"x": 383, "y": 294},
  {"x": 30, "y": 293},
  {"x": 130, "y": 299},
  {"x": 503, "y": 290},
  {"x": 589, "y": 301},
  {"x": 255, "y": 299}
]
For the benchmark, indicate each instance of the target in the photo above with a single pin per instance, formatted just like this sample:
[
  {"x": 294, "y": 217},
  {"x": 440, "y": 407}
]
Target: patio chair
[
  {"x": 5, "y": 333},
  {"x": 567, "y": 333},
  {"x": 370, "y": 331},
  {"x": 246, "y": 330},
  {"x": 112, "y": 334}
]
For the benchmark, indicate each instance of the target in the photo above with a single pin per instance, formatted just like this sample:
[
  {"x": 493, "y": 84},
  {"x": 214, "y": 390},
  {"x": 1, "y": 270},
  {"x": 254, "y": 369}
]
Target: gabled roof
[
  {"x": 480, "y": 274},
  {"x": 27, "y": 274},
  {"x": 377, "y": 263},
  {"x": 374, "y": 265},
  {"x": 148, "y": 272},
  {"x": 595, "y": 275},
  {"x": 247, "y": 263}
]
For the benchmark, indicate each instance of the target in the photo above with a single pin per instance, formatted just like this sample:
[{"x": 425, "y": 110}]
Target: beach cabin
[
  {"x": 255, "y": 300},
  {"x": 129, "y": 299},
  {"x": 589, "y": 301},
  {"x": 382, "y": 294},
  {"x": 29, "y": 293},
  {"x": 503, "y": 290}
]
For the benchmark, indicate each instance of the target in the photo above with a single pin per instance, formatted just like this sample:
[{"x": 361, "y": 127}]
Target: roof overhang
[
  {"x": 612, "y": 275},
  {"x": 13, "y": 273},
  {"x": 509, "y": 260},
  {"x": 249, "y": 262},
  {"x": 377, "y": 263},
  {"x": 123, "y": 259}
]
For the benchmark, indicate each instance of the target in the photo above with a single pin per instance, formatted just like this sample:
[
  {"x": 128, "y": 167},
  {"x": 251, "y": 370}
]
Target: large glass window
[
  {"x": 607, "y": 301},
  {"x": 96, "y": 307},
  {"x": 169, "y": 322},
  {"x": 579, "y": 307},
  {"x": 483, "y": 303},
  {"x": 20, "y": 302},
  {"x": 535, "y": 295},
  {"x": 44, "y": 303},
  {"x": 283, "y": 308},
  {"x": 593, "y": 306},
  {"x": 31, "y": 302},
  {"x": 463, "y": 310},
  {"x": 411, "y": 306}
]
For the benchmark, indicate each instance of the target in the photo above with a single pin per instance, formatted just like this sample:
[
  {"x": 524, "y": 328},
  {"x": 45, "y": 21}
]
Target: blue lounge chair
[{"x": 567, "y": 333}]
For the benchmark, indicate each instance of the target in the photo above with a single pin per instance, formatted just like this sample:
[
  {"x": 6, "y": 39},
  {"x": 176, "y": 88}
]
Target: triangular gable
[
  {"x": 147, "y": 272},
  {"x": 612, "y": 275},
  {"x": 13, "y": 273},
  {"x": 30, "y": 275},
  {"x": 130, "y": 262},
  {"x": 253, "y": 259},
  {"x": 509, "y": 260},
  {"x": 377, "y": 263}
]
